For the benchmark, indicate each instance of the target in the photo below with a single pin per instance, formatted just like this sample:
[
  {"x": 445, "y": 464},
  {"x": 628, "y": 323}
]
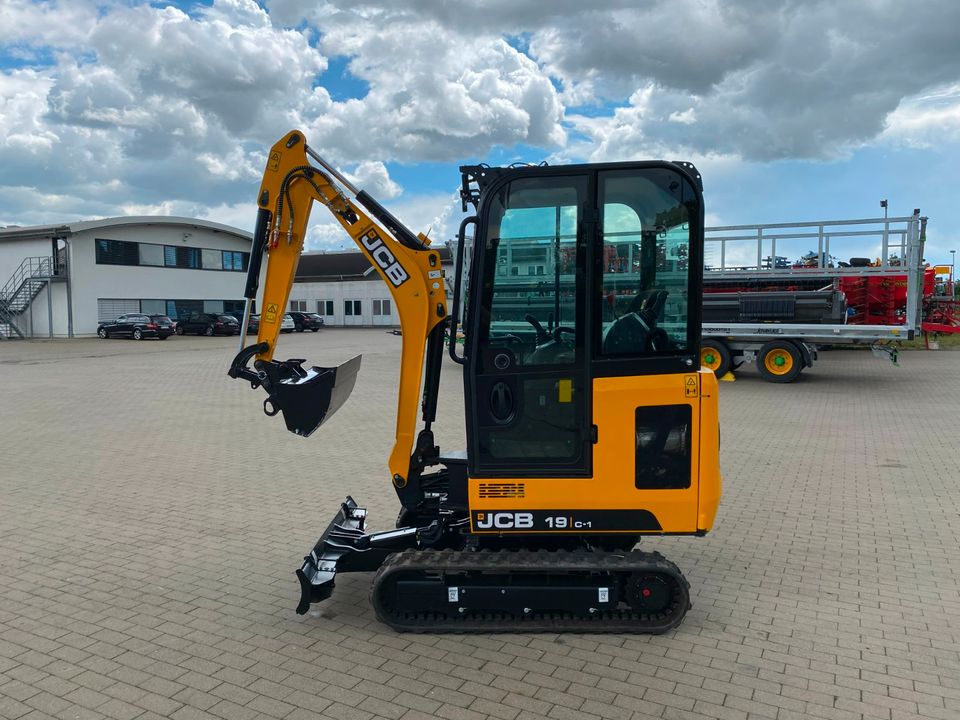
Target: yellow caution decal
[{"x": 270, "y": 316}]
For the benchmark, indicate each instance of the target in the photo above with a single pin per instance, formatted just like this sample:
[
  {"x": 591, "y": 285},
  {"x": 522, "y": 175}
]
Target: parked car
[
  {"x": 287, "y": 325},
  {"x": 254, "y": 321},
  {"x": 208, "y": 324},
  {"x": 306, "y": 321},
  {"x": 133, "y": 325},
  {"x": 165, "y": 326}
]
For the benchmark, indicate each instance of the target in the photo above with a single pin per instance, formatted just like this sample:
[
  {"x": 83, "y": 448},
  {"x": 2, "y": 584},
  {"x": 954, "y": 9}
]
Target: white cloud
[
  {"x": 22, "y": 108},
  {"x": 128, "y": 104},
  {"x": 372, "y": 176},
  {"x": 926, "y": 120},
  {"x": 425, "y": 102},
  {"x": 436, "y": 215},
  {"x": 28, "y": 24}
]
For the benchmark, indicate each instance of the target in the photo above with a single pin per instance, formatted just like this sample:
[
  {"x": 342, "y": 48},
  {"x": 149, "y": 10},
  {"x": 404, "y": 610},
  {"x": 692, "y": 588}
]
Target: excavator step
[{"x": 446, "y": 591}]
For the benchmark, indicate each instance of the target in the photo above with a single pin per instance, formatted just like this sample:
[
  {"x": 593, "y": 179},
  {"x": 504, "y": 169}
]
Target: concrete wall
[
  {"x": 35, "y": 322},
  {"x": 14, "y": 252}
]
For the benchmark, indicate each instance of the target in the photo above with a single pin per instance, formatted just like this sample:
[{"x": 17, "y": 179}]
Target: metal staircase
[{"x": 33, "y": 275}]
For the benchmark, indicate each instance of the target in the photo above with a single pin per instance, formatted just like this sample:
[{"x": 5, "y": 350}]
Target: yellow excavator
[{"x": 589, "y": 420}]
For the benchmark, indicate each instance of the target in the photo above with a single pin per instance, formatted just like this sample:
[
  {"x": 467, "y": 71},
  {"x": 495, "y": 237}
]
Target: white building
[
  {"x": 61, "y": 280},
  {"x": 344, "y": 288}
]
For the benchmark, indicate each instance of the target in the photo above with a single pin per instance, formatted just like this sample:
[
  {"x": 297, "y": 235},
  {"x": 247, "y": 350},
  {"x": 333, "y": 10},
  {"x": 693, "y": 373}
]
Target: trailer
[{"x": 785, "y": 311}]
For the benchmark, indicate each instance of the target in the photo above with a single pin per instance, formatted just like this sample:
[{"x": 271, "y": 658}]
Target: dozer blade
[
  {"x": 308, "y": 401},
  {"x": 345, "y": 547}
]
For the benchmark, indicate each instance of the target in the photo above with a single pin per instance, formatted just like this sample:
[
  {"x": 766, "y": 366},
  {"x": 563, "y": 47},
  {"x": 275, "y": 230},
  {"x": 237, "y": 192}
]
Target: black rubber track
[{"x": 559, "y": 563}]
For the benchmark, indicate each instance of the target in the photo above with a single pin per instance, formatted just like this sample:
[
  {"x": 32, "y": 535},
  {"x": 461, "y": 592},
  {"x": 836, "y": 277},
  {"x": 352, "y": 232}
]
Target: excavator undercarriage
[{"x": 433, "y": 579}]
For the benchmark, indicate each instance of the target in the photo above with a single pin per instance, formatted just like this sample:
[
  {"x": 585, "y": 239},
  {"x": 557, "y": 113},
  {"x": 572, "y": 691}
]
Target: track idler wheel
[{"x": 657, "y": 594}]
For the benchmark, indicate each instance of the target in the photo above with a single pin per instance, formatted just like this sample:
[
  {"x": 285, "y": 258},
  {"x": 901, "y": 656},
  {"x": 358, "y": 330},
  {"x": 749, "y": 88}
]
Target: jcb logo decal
[
  {"x": 504, "y": 521},
  {"x": 385, "y": 259}
]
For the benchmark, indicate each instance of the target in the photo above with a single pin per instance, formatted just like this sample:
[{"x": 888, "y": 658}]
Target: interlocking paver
[{"x": 152, "y": 518}]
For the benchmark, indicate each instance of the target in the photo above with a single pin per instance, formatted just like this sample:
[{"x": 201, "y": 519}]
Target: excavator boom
[{"x": 408, "y": 266}]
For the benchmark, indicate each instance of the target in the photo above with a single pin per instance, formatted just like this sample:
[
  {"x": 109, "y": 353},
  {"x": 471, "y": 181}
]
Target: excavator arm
[{"x": 406, "y": 263}]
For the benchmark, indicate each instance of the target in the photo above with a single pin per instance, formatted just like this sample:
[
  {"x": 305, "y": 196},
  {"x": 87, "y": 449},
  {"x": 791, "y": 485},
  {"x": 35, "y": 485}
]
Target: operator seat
[{"x": 636, "y": 331}]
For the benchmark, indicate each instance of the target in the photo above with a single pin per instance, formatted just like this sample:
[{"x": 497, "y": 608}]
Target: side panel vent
[{"x": 501, "y": 490}]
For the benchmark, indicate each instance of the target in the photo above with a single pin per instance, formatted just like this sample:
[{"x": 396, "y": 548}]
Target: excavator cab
[
  {"x": 589, "y": 422},
  {"x": 581, "y": 275}
]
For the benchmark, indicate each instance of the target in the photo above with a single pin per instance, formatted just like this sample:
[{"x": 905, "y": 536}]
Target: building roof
[
  {"x": 36, "y": 232},
  {"x": 344, "y": 265}
]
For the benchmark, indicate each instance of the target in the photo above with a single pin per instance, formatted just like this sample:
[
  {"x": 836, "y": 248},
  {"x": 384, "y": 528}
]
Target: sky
[{"x": 792, "y": 110}]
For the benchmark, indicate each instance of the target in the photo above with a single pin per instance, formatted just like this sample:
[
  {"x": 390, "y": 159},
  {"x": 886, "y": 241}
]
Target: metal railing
[
  {"x": 753, "y": 248},
  {"x": 23, "y": 286},
  {"x": 899, "y": 242}
]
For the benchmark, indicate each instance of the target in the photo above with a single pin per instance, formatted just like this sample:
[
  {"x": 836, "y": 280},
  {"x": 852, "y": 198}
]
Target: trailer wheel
[
  {"x": 780, "y": 361},
  {"x": 715, "y": 355}
]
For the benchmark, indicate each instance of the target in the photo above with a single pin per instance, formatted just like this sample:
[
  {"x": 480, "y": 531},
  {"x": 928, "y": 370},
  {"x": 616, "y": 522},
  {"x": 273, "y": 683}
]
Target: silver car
[{"x": 287, "y": 325}]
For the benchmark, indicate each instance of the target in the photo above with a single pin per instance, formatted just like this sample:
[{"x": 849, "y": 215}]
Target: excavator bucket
[
  {"x": 307, "y": 398},
  {"x": 310, "y": 399}
]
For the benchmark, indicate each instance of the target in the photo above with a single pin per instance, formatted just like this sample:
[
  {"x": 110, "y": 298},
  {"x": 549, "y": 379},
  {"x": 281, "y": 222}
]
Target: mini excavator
[{"x": 589, "y": 420}]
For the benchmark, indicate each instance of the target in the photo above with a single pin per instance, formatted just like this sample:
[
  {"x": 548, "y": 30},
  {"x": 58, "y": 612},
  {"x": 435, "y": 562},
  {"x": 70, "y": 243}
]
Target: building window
[
  {"x": 351, "y": 307},
  {"x": 151, "y": 254},
  {"x": 235, "y": 260},
  {"x": 235, "y": 308},
  {"x": 381, "y": 307},
  {"x": 325, "y": 307},
  {"x": 181, "y": 257},
  {"x": 298, "y": 305},
  {"x": 117, "y": 252},
  {"x": 211, "y": 259},
  {"x": 188, "y": 257},
  {"x": 124, "y": 252},
  {"x": 182, "y": 309},
  {"x": 153, "y": 307}
]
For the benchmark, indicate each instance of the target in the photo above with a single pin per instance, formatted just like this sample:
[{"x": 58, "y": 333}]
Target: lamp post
[
  {"x": 953, "y": 272},
  {"x": 886, "y": 232}
]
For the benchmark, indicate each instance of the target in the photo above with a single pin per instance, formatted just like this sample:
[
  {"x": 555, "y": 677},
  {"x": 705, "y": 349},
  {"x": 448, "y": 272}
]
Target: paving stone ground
[{"x": 151, "y": 518}]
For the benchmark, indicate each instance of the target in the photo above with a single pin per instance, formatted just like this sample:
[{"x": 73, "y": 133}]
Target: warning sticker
[
  {"x": 691, "y": 386},
  {"x": 270, "y": 316},
  {"x": 274, "y": 162}
]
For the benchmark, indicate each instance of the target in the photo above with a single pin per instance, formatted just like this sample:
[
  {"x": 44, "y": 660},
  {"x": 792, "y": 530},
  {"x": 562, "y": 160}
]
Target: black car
[
  {"x": 133, "y": 325},
  {"x": 253, "y": 326},
  {"x": 306, "y": 321},
  {"x": 208, "y": 324},
  {"x": 165, "y": 326}
]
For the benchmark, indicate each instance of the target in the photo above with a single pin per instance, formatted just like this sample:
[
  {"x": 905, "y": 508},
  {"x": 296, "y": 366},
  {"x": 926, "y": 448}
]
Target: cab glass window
[
  {"x": 532, "y": 273},
  {"x": 643, "y": 265}
]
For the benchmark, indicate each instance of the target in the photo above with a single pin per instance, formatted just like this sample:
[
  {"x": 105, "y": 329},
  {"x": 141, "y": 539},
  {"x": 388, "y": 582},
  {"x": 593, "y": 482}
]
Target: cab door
[{"x": 527, "y": 388}]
